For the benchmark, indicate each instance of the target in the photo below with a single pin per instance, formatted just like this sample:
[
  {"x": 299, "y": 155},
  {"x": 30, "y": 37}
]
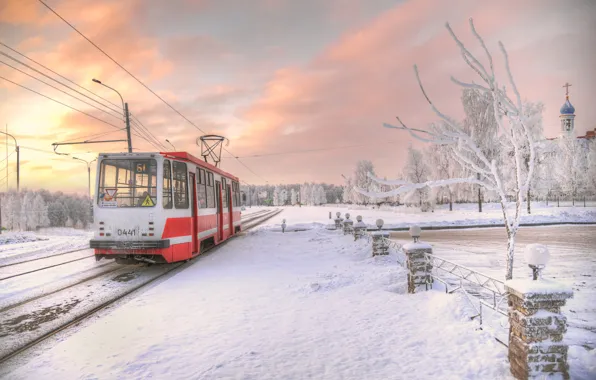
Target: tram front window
[{"x": 128, "y": 183}]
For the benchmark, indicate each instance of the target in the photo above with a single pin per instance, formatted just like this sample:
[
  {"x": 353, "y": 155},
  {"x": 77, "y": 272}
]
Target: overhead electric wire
[
  {"x": 141, "y": 83},
  {"x": 151, "y": 135},
  {"x": 144, "y": 134},
  {"x": 59, "y": 102},
  {"x": 61, "y": 76},
  {"x": 7, "y": 157},
  {"x": 134, "y": 120},
  {"x": 134, "y": 132},
  {"x": 118, "y": 112},
  {"x": 56, "y": 88},
  {"x": 315, "y": 150},
  {"x": 96, "y": 135}
]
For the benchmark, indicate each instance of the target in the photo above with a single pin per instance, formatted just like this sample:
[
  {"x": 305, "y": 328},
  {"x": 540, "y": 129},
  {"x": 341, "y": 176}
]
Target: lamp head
[
  {"x": 380, "y": 223},
  {"x": 415, "y": 232},
  {"x": 537, "y": 256}
]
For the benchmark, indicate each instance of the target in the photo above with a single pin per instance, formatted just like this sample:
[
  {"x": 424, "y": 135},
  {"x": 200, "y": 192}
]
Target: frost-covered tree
[
  {"x": 442, "y": 167},
  {"x": 416, "y": 171},
  {"x": 513, "y": 130},
  {"x": 362, "y": 180},
  {"x": 41, "y": 211},
  {"x": 293, "y": 197},
  {"x": 276, "y": 201},
  {"x": 11, "y": 211},
  {"x": 79, "y": 225},
  {"x": 571, "y": 166},
  {"x": 591, "y": 172},
  {"x": 69, "y": 222}
]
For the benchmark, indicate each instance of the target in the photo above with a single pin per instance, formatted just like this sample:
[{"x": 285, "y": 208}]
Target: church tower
[{"x": 567, "y": 115}]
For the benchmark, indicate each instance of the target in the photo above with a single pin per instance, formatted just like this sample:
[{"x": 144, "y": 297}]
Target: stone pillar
[
  {"x": 359, "y": 228},
  {"x": 380, "y": 247},
  {"x": 348, "y": 225},
  {"x": 419, "y": 267},
  {"x": 537, "y": 327},
  {"x": 337, "y": 223}
]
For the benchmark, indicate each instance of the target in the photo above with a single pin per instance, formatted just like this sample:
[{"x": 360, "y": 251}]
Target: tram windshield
[{"x": 127, "y": 183}]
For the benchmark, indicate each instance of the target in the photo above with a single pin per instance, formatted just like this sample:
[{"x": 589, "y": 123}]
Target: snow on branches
[{"x": 494, "y": 112}]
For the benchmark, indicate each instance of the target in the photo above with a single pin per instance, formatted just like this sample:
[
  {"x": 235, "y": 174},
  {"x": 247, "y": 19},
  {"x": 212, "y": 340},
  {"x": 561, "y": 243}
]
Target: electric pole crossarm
[{"x": 56, "y": 145}]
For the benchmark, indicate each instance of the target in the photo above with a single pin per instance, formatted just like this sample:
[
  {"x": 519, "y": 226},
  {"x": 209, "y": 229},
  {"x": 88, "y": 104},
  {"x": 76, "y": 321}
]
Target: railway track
[
  {"x": 246, "y": 219},
  {"x": 42, "y": 258},
  {"x": 21, "y": 331}
]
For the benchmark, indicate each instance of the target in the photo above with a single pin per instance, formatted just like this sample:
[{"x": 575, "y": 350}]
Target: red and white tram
[{"x": 162, "y": 207}]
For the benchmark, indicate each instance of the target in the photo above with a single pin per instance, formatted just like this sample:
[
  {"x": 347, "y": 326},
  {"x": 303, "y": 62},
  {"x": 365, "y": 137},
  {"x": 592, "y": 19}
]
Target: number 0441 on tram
[{"x": 161, "y": 207}]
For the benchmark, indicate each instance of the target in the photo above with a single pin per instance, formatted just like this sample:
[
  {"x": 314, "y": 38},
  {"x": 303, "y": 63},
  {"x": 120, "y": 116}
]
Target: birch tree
[
  {"x": 293, "y": 197},
  {"x": 416, "y": 171},
  {"x": 443, "y": 167},
  {"x": 512, "y": 127},
  {"x": 571, "y": 166},
  {"x": 362, "y": 180}
]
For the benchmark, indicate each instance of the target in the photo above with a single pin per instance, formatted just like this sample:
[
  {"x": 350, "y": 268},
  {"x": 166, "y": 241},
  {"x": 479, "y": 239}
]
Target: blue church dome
[{"x": 567, "y": 108}]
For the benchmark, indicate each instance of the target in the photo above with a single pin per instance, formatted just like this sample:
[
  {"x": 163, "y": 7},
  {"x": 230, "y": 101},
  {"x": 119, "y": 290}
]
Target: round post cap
[
  {"x": 380, "y": 223},
  {"x": 415, "y": 231},
  {"x": 536, "y": 254}
]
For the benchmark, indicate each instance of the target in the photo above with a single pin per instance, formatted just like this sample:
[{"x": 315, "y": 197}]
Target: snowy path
[{"x": 268, "y": 305}]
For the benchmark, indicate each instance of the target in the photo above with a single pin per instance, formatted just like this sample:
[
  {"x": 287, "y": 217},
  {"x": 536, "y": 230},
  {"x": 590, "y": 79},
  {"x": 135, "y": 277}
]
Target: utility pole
[
  {"x": 88, "y": 172},
  {"x": 18, "y": 160},
  {"x": 479, "y": 195},
  {"x": 126, "y": 114}
]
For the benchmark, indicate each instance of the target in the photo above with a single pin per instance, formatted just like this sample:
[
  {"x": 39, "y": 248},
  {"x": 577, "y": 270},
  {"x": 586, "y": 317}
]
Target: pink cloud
[{"x": 344, "y": 94}]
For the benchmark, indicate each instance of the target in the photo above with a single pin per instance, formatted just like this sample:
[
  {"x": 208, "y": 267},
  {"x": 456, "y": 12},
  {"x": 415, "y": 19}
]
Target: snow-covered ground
[
  {"x": 462, "y": 215},
  {"x": 20, "y": 246},
  {"x": 311, "y": 304},
  {"x": 307, "y": 304}
]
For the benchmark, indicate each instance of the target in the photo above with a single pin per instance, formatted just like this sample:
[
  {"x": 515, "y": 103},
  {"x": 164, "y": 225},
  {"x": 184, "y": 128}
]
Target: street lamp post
[
  {"x": 126, "y": 114},
  {"x": 88, "y": 171},
  {"x": 18, "y": 164},
  {"x": 168, "y": 141}
]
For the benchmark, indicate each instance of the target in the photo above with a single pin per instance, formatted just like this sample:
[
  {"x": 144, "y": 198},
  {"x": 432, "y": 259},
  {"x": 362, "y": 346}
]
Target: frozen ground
[
  {"x": 462, "y": 215},
  {"x": 41, "y": 243},
  {"x": 310, "y": 304}
]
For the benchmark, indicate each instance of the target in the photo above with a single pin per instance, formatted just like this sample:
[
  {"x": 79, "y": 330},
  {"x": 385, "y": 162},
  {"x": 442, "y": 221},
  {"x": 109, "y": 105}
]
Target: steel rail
[{"x": 110, "y": 302}]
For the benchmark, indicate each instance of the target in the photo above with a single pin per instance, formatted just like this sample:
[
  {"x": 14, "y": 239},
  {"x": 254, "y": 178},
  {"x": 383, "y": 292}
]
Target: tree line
[{"x": 29, "y": 210}]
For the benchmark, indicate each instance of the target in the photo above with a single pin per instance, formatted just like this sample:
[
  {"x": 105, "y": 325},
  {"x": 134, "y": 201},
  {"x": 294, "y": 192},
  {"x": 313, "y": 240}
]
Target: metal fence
[{"x": 481, "y": 291}]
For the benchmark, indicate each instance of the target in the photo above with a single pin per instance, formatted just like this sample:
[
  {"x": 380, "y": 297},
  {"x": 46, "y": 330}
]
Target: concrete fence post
[
  {"x": 537, "y": 327},
  {"x": 348, "y": 225},
  {"x": 359, "y": 228},
  {"x": 379, "y": 246},
  {"x": 338, "y": 220},
  {"x": 418, "y": 264}
]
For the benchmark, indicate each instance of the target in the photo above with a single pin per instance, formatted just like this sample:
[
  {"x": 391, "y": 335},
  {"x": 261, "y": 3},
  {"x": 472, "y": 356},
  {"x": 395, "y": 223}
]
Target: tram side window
[
  {"x": 202, "y": 188},
  {"x": 237, "y": 194},
  {"x": 224, "y": 192},
  {"x": 210, "y": 191},
  {"x": 180, "y": 185},
  {"x": 167, "y": 184}
]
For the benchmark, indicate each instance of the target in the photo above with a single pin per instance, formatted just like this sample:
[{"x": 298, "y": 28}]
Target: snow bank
[
  {"x": 311, "y": 304},
  {"x": 18, "y": 237},
  {"x": 404, "y": 217}
]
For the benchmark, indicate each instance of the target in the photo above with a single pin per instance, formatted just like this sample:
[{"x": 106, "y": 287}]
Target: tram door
[
  {"x": 194, "y": 220},
  {"x": 230, "y": 209},
  {"x": 219, "y": 214}
]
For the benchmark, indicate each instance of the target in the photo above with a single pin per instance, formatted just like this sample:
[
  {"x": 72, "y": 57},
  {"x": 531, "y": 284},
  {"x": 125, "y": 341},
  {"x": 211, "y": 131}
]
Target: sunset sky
[{"x": 277, "y": 76}]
